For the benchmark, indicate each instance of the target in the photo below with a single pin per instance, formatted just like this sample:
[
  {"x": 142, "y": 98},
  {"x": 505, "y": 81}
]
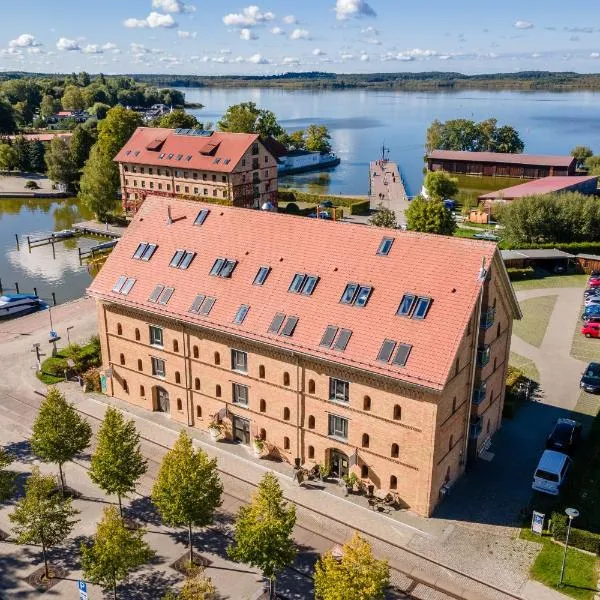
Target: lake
[
  {"x": 359, "y": 121},
  {"x": 362, "y": 121}
]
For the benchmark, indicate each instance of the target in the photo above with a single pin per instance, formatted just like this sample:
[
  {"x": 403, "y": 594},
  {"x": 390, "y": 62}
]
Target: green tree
[
  {"x": 187, "y": 490},
  {"x": 440, "y": 185},
  {"x": 99, "y": 183},
  {"x": 59, "y": 162},
  {"x": 117, "y": 463},
  {"x": 318, "y": 139},
  {"x": 506, "y": 139},
  {"x": 592, "y": 164},
  {"x": 263, "y": 531},
  {"x": 7, "y": 478},
  {"x": 114, "y": 552},
  {"x": 357, "y": 576},
  {"x": 294, "y": 140},
  {"x": 429, "y": 216},
  {"x": 42, "y": 516},
  {"x": 81, "y": 143},
  {"x": 49, "y": 106},
  {"x": 246, "y": 117},
  {"x": 8, "y": 157},
  {"x": 116, "y": 129},
  {"x": 7, "y": 118},
  {"x": 37, "y": 152},
  {"x": 384, "y": 217},
  {"x": 433, "y": 136},
  {"x": 83, "y": 79},
  {"x": 21, "y": 147},
  {"x": 581, "y": 153},
  {"x": 72, "y": 99},
  {"x": 177, "y": 118},
  {"x": 197, "y": 586},
  {"x": 59, "y": 433},
  {"x": 99, "y": 110}
]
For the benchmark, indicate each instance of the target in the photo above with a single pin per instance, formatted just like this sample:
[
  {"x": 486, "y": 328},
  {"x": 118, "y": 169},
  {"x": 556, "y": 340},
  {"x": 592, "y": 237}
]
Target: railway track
[{"x": 405, "y": 584}]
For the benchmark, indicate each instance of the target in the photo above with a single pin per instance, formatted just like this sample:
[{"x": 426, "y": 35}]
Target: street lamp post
[{"x": 572, "y": 513}]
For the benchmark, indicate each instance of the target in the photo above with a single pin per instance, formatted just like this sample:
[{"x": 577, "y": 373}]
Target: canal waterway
[
  {"x": 359, "y": 121},
  {"x": 362, "y": 121}
]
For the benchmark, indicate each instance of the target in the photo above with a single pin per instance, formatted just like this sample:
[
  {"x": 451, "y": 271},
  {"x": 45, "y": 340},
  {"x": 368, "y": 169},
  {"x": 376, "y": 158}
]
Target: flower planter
[
  {"x": 214, "y": 434},
  {"x": 257, "y": 451}
]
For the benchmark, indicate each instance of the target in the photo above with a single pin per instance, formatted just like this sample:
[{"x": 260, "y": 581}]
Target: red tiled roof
[
  {"x": 503, "y": 157},
  {"x": 443, "y": 268},
  {"x": 151, "y": 142},
  {"x": 537, "y": 187}
]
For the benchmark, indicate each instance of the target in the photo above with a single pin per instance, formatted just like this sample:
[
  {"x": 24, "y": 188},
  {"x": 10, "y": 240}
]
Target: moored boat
[{"x": 16, "y": 305}]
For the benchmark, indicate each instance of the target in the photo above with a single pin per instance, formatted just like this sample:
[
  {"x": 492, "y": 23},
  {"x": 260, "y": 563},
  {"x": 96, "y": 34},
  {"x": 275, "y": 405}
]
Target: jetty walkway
[{"x": 387, "y": 188}]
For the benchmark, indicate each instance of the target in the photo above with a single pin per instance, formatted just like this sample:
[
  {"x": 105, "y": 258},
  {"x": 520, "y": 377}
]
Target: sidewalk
[{"x": 391, "y": 535}]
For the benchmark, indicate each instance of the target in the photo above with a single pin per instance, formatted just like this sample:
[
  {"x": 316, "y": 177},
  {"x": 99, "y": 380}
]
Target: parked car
[
  {"x": 590, "y": 380},
  {"x": 591, "y": 319},
  {"x": 594, "y": 273},
  {"x": 594, "y": 281},
  {"x": 591, "y": 292},
  {"x": 591, "y": 330},
  {"x": 487, "y": 235},
  {"x": 565, "y": 436},
  {"x": 593, "y": 299},
  {"x": 322, "y": 215},
  {"x": 551, "y": 472},
  {"x": 590, "y": 311}
]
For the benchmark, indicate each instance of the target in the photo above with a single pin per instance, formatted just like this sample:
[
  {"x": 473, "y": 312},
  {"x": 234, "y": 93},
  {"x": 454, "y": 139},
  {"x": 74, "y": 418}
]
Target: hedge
[
  {"x": 208, "y": 199},
  {"x": 579, "y": 538},
  {"x": 571, "y": 247},
  {"x": 515, "y": 274},
  {"x": 357, "y": 206}
]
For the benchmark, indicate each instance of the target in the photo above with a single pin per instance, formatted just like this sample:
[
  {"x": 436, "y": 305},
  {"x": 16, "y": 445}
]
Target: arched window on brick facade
[
  {"x": 395, "y": 451},
  {"x": 311, "y": 422}
]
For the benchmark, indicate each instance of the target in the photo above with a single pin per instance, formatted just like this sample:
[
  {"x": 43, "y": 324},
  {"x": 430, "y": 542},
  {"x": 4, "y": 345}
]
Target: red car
[
  {"x": 591, "y": 330},
  {"x": 594, "y": 281}
]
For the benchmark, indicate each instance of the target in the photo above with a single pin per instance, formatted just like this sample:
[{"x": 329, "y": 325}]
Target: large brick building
[
  {"x": 230, "y": 168},
  {"x": 379, "y": 351}
]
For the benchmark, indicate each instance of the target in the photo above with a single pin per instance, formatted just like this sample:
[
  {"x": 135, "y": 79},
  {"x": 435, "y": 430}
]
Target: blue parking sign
[{"x": 81, "y": 585}]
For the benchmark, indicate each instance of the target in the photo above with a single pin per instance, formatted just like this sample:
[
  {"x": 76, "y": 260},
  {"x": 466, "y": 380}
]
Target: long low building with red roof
[
  {"x": 370, "y": 350},
  {"x": 226, "y": 168}
]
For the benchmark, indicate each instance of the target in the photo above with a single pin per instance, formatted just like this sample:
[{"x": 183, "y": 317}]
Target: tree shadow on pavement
[
  {"x": 22, "y": 452},
  {"x": 143, "y": 510},
  {"x": 146, "y": 586}
]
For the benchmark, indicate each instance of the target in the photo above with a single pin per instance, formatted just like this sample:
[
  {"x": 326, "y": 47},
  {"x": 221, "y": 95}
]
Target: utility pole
[{"x": 572, "y": 513}]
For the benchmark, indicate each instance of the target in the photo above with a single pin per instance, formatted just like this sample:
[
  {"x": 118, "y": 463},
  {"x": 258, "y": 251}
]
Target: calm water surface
[{"x": 359, "y": 121}]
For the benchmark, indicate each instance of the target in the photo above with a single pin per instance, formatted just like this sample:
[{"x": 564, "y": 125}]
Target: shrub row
[
  {"x": 515, "y": 274},
  {"x": 579, "y": 538},
  {"x": 357, "y": 206},
  {"x": 208, "y": 199},
  {"x": 572, "y": 247}
]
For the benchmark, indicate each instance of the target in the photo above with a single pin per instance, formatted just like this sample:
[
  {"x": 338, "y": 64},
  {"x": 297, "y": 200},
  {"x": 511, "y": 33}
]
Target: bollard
[
  {"x": 28, "y": 244},
  {"x": 35, "y": 291},
  {"x": 17, "y": 287},
  {"x": 17, "y": 238},
  {"x": 1, "y": 290},
  {"x": 54, "y": 298}
]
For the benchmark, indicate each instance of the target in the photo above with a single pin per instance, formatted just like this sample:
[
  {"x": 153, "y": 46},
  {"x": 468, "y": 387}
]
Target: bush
[
  {"x": 55, "y": 365},
  {"x": 31, "y": 185},
  {"x": 91, "y": 381},
  {"x": 292, "y": 208},
  {"x": 578, "y": 538},
  {"x": 515, "y": 274},
  {"x": 360, "y": 208}
]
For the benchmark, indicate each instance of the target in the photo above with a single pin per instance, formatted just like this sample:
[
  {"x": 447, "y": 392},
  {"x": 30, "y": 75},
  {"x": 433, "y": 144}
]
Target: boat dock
[
  {"x": 97, "y": 228},
  {"x": 98, "y": 249},
  {"x": 387, "y": 188}
]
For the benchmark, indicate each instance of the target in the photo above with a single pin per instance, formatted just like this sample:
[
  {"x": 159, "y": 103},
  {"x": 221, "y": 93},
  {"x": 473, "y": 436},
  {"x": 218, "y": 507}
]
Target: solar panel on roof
[{"x": 342, "y": 339}]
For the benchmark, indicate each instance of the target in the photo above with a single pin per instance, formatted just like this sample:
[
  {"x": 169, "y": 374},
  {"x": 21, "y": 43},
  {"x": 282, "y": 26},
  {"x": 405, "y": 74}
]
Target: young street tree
[
  {"x": 117, "y": 462},
  {"x": 42, "y": 516},
  {"x": 59, "y": 433},
  {"x": 440, "y": 185},
  {"x": 114, "y": 552},
  {"x": 7, "y": 478},
  {"x": 263, "y": 531},
  {"x": 429, "y": 216},
  {"x": 197, "y": 586},
  {"x": 384, "y": 217},
  {"x": 187, "y": 490},
  {"x": 357, "y": 576}
]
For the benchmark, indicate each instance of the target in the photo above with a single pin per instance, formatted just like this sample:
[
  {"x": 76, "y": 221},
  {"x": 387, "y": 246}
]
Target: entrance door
[
  {"x": 162, "y": 400},
  {"x": 241, "y": 430},
  {"x": 339, "y": 464}
]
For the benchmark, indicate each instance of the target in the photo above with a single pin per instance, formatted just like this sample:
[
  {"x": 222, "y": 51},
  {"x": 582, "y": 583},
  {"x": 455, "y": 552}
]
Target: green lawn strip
[
  {"x": 527, "y": 366},
  {"x": 580, "y": 572},
  {"x": 552, "y": 281},
  {"x": 536, "y": 316}
]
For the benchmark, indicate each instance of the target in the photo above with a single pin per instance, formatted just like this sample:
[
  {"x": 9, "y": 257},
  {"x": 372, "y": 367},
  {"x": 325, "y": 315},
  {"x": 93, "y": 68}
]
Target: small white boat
[
  {"x": 16, "y": 305},
  {"x": 64, "y": 233}
]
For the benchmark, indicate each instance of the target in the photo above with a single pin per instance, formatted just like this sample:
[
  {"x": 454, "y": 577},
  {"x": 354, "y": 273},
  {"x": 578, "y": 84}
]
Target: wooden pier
[
  {"x": 100, "y": 229},
  {"x": 387, "y": 188},
  {"x": 95, "y": 250}
]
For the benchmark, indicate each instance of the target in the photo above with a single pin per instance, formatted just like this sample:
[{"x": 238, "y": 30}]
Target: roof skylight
[
  {"x": 201, "y": 216},
  {"x": 123, "y": 285},
  {"x": 356, "y": 294},
  {"x": 144, "y": 251},
  {"x": 182, "y": 259},
  {"x": 261, "y": 275},
  {"x": 303, "y": 284},
  {"x": 385, "y": 246}
]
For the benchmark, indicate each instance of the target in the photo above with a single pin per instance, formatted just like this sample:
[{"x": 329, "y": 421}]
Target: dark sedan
[
  {"x": 564, "y": 436},
  {"x": 590, "y": 381}
]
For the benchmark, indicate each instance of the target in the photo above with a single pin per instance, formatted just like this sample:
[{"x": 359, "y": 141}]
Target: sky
[{"x": 275, "y": 36}]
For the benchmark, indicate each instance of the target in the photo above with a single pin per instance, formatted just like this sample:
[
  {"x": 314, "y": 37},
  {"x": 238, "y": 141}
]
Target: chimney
[{"x": 169, "y": 217}]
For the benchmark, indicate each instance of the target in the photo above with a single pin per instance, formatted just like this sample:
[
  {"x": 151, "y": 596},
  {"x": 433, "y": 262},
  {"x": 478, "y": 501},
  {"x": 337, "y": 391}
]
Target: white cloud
[
  {"x": 92, "y": 49},
  {"x": 290, "y": 60},
  {"x": 346, "y": 56},
  {"x": 277, "y": 31},
  {"x": 25, "y": 40},
  {"x": 187, "y": 34},
  {"x": 318, "y": 52},
  {"x": 373, "y": 41},
  {"x": 595, "y": 55},
  {"x": 344, "y": 9},
  {"x": 138, "y": 50},
  {"x": 523, "y": 24},
  {"x": 258, "y": 59},
  {"x": 364, "y": 57},
  {"x": 68, "y": 45},
  {"x": 289, "y": 19},
  {"x": 35, "y": 50},
  {"x": 247, "y": 34},
  {"x": 370, "y": 30},
  {"x": 153, "y": 20},
  {"x": 409, "y": 55},
  {"x": 173, "y": 6},
  {"x": 250, "y": 16},
  {"x": 299, "y": 34},
  {"x": 110, "y": 47},
  {"x": 225, "y": 51}
]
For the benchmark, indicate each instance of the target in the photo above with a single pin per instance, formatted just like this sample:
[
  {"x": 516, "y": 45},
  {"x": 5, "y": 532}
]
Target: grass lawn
[
  {"x": 524, "y": 364},
  {"x": 580, "y": 572},
  {"x": 551, "y": 281},
  {"x": 536, "y": 316}
]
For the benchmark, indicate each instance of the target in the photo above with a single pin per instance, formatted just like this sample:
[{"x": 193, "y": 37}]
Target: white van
[{"x": 551, "y": 472}]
